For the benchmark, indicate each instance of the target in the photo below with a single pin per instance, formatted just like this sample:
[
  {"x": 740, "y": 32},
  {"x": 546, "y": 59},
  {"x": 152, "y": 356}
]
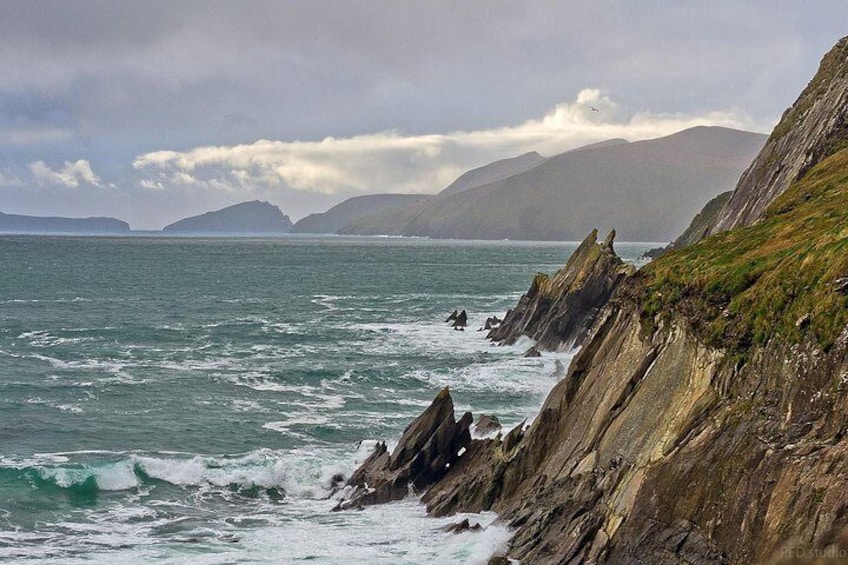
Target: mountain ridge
[
  {"x": 352, "y": 209},
  {"x": 645, "y": 189}
]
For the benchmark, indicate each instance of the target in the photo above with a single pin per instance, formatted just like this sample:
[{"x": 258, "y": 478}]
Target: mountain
[
  {"x": 492, "y": 172},
  {"x": 647, "y": 190},
  {"x": 246, "y": 217},
  {"x": 16, "y": 223},
  {"x": 354, "y": 208},
  {"x": 704, "y": 418}
]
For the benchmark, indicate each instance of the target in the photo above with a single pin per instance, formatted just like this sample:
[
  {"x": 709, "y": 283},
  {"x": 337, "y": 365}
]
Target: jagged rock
[
  {"x": 557, "y": 311},
  {"x": 665, "y": 444},
  {"x": 453, "y": 316},
  {"x": 492, "y": 323},
  {"x": 424, "y": 454},
  {"x": 462, "y": 526},
  {"x": 461, "y": 320},
  {"x": 487, "y": 424},
  {"x": 533, "y": 352}
]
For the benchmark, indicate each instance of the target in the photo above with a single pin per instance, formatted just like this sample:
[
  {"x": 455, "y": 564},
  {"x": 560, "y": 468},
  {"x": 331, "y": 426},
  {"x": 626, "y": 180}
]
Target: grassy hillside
[{"x": 784, "y": 276}]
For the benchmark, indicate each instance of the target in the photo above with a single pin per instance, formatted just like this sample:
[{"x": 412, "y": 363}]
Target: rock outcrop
[
  {"x": 813, "y": 128},
  {"x": 704, "y": 419},
  {"x": 558, "y": 310},
  {"x": 460, "y": 321},
  {"x": 429, "y": 446}
]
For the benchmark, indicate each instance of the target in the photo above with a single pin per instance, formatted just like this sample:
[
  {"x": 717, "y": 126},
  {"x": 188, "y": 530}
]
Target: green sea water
[{"x": 190, "y": 400}]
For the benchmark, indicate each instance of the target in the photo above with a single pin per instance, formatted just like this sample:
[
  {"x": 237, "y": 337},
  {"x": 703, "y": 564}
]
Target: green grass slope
[{"x": 784, "y": 276}]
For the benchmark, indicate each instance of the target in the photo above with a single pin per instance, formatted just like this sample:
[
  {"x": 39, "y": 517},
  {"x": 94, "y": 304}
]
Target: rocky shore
[{"x": 704, "y": 418}]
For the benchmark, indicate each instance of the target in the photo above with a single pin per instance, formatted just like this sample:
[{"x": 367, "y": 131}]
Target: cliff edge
[{"x": 704, "y": 419}]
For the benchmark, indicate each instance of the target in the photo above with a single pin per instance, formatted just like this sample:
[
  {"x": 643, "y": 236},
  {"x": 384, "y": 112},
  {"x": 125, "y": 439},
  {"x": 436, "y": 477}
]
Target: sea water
[{"x": 190, "y": 400}]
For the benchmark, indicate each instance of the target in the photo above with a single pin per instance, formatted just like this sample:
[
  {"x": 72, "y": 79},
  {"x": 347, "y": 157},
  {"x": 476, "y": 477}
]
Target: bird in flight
[{"x": 594, "y": 109}]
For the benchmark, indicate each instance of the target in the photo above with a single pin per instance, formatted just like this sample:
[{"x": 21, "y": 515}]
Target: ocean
[{"x": 190, "y": 400}]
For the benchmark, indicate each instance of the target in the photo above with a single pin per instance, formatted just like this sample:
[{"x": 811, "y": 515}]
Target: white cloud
[
  {"x": 71, "y": 174},
  {"x": 394, "y": 162},
  {"x": 8, "y": 179}
]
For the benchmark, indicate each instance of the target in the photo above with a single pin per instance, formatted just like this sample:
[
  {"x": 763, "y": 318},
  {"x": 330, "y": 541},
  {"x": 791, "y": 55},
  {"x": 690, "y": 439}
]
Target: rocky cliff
[
  {"x": 814, "y": 127},
  {"x": 558, "y": 310},
  {"x": 704, "y": 419}
]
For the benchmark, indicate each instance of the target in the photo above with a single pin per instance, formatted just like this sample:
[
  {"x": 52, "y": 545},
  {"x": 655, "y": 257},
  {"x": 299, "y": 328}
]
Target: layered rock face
[
  {"x": 704, "y": 419},
  {"x": 655, "y": 449},
  {"x": 558, "y": 311},
  {"x": 815, "y": 127}
]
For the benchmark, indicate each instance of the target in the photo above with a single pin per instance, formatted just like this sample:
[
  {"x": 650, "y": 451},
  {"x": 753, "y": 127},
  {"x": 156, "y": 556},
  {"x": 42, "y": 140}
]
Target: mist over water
[{"x": 191, "y": 400}]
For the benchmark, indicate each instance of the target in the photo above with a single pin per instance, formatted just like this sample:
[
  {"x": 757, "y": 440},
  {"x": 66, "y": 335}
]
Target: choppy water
[{"x": 189, "y": 400}]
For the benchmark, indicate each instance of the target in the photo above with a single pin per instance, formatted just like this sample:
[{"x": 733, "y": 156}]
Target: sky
[{"x": 150, "y": 111}]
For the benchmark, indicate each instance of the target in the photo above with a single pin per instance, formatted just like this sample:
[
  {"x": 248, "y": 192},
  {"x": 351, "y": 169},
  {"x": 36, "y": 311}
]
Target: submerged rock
[
  {"x": 533, "y": 352},
  {"x": 462, "y": 526},
  {"x": 424, "y": 454}
]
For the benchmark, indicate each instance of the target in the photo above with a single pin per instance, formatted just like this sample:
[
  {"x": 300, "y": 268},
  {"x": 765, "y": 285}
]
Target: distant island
[
  {"x": 18, "y": 223},
  {"x": 355, "y": 208},
  {"x": 647, "y": 190},
  {"x": 254, "y": 217}
]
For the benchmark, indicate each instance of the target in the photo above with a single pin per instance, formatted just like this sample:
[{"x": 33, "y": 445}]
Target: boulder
[
  {"x": 487, "y": 424},
  {"x": 425, "y": 452}
]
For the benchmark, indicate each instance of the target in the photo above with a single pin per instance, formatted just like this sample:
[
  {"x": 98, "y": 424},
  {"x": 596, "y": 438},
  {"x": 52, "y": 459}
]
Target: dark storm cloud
[{"x": 109, "y": 81}]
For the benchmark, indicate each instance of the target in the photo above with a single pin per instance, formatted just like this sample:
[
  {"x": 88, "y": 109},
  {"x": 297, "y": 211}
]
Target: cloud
[
  {"x": 393, "y": 162},
  {"x": 70, "y": 175},
  {"x": 9, "y": 179}
]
